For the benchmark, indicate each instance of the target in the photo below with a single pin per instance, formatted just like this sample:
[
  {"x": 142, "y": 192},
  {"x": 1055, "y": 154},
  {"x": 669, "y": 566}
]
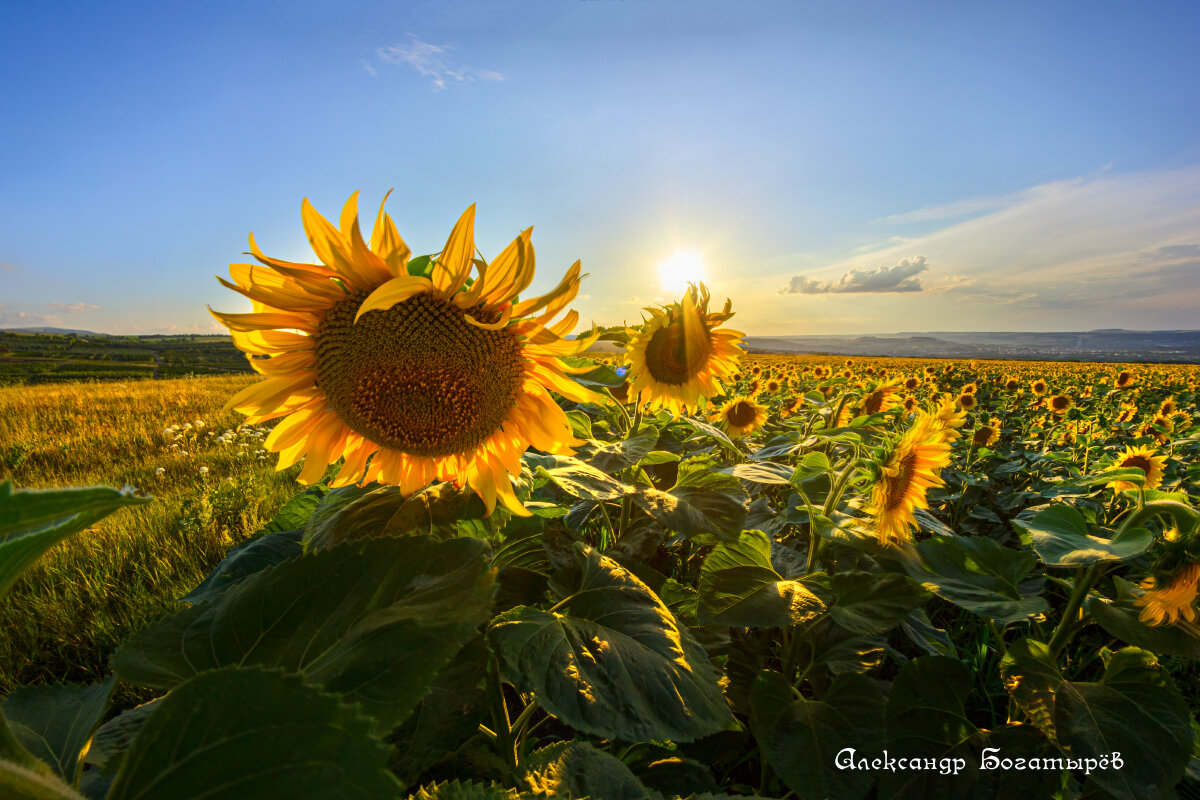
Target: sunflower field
[{"x": 520, "y": 565}]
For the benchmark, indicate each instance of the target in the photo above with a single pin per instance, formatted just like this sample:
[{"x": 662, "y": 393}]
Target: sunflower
[
  {"x": 970, "y": 388},
  {"x": 1144, "y": 459},
  {"x": 948, "y": 418},
  {"x": 1175, "y": 600},
  {"x": 881, "y": 398},
  {"x": 968, "y": 401},
  {"x": 1011, "y": 384},
  {"x": 680, "y": 356},
  {"x": 910, "y": 402},
  {"x": 1039, "y": 386},
  {"x": 1127, "y": 413},
  {"x": 1125, "y": 380},
  {"x": 1060, "y": 403},
  {"x": 791, "y": 406},
  {"x": 985, "y": 435},
  {"x": 740, "y": 416},
  {"x": 1168, "y": 406},
  {"x": 911, "y": 384},
  {"x": 408, "y": 377},
  {"x": 910, "y": 469},
  {"x": 773, "y": 386}
]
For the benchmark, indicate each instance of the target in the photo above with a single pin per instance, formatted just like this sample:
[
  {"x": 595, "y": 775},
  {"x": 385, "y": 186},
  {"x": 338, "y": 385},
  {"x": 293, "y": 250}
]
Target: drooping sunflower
[
  {"x": 948, "y": 418},
  {"x": 881, "y": 398},
  {"x": 423, "y": 375},
  {"x": 680, "y": 355},
  {"x": 912, "y": 467},
  {"x": 986, "y": 434},
  {"x": 740, "y": 416},
  {"x": 1164, "y": 605},
  {"x": 1144, "y": 459}
]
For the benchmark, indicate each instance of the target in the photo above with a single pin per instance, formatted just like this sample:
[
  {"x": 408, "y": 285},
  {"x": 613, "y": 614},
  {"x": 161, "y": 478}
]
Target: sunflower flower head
[
  {"x": 411, "y": 370},
  {"x": 1142, "y": 458},
  {"x": 682, "y": 354},
  {"x": 986, "y": 434},
  {"x": 910, "y": 469},
  {"x": 740, "y": 416},
  {"x": 948, "y": 418},
  {"x": 881, "y": 398},
  {"x": 1173, "y": 599}
]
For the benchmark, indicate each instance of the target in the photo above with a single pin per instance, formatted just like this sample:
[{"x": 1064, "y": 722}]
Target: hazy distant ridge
[{"x": 1100, "y": 345}]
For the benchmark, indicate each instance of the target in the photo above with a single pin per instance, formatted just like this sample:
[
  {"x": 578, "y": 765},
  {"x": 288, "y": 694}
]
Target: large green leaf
[
  {"x": 374, "y": 620},
  {"x": 740, "y": 588},
  {"x": 614, "y": 456},
  {"x": 246, "y": 559},
  {"x": 980, "y": 575},
  {"x": 34, "y": 520},
  {"x": 610, "y": 659},
  {"x": 296, "y": 511},
  {"x": 1060, "y": 536},
  {"x": 253, "y": 733},
  {"x": 868, "y": 603},
  {"x": 702, "y": 504},
  {"x": 22, "y": 783},
  {"x": 1032, "y": 677},
  {"x": 55, "y": 722},
  {"x": 926, "y": 718},
  {"x": 576, "y": 769},
  {"x": 1134, "y": 710},
  {"x": 577, "y": 478},
  {"x": 442, "y": 508},
  {"x": 801, "y": 738},
  {"x": 457, "y": 790},
  {"x": 1123, "y": 621},
  {"x": 766, "y": 472}
]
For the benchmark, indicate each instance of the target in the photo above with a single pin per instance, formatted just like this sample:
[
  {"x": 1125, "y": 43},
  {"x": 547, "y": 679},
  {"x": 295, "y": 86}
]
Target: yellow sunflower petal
[{"x": 397, "y": 290}]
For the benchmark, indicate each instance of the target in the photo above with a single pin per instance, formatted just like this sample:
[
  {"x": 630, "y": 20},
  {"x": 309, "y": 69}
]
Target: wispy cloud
[
  {"x": 73, "y": 308},
  {"x": 432, "y": 61},
  {"x": 11, "y": 318},
  {"x": 899, "y": 278}
]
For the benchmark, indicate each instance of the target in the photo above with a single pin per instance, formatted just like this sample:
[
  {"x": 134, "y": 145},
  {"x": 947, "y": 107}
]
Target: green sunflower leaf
[
  {"x": 374, "y": 620},
  {"x": 253, "y": 733},
  {"x": 739, "y": 587},
  {"x": 610, "y": 659}
]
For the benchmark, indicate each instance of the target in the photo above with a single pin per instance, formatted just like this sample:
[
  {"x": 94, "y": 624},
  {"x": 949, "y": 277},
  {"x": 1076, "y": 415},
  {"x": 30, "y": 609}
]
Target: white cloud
[
  {"x": 433, "y": 62},
  {"x": 900, "y": 278},
  {"x": 24, "y": 319},
  {"x": 73, "y": 308}
]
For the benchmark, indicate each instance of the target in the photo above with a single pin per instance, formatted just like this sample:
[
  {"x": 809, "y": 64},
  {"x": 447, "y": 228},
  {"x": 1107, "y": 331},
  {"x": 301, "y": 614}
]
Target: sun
[{"x": 679, "y": 270}]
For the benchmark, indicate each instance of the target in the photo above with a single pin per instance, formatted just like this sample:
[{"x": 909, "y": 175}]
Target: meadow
[{"x": 764, "y": 622}]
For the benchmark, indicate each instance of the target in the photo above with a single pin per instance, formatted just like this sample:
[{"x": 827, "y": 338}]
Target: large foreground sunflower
[
  {"x": 680, "y": 355},
  {"x": 912, "y": 467},
  {"x": 428, "y": 375}
]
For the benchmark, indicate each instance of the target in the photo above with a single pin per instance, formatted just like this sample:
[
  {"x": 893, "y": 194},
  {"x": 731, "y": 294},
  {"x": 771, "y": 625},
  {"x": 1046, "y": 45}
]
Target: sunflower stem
[
  {"x": 1063, "y": 632},
  {"x": 503, "y": 723}
]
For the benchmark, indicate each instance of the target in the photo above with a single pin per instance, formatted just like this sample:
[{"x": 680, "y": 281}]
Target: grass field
[{"x": 210, "y": 490}]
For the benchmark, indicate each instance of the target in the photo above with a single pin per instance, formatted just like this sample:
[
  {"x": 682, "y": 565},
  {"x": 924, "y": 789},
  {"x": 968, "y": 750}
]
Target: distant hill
[
  {"x": 60, "y": 331},
  {"x": 1178, "y": 346}
]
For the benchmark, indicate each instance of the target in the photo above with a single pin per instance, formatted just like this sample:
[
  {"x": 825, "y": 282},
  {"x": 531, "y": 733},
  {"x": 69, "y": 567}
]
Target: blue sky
[{"x": 837, "y": 166}]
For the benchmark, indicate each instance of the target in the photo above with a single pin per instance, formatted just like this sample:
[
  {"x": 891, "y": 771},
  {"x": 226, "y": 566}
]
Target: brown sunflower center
[
  {"x": 983, "y": 435},
  {"x": 1141, "y": 462},
  {"x": 671, "y": 358},
  {"x": 874, "y": 401},
  {"x": 741, "y": 414},
  {"x": 1060, "y": 403},
  {"x": 896, "y": 486},
  {"x": 417, "y": 377}
]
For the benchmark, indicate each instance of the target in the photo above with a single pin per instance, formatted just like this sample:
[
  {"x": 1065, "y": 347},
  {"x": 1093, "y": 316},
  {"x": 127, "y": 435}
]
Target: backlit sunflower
[
  {"x": 740, "y": 416},
  {"x": 1176, "y": 600},
  {"x": 680, "y": 355},
  {"x": 948, "y": 418},
  {"x": 423, "y": 375},
  {"x": 1144, "y": 459},
  {"x": 912, "y": 467},
  {"x": 881, "y": 398}
]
